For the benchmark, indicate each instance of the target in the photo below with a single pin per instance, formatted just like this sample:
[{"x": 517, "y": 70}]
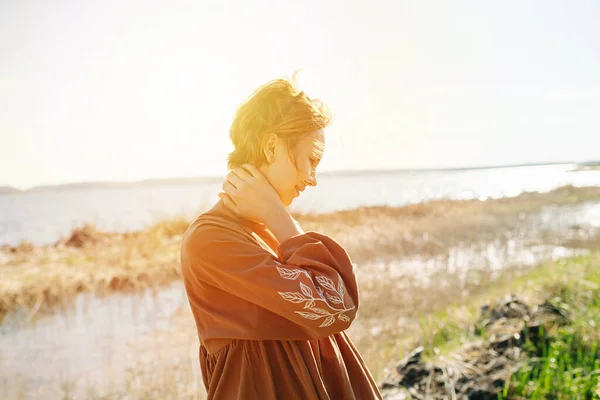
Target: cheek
[
  {"x": 296, "y": 173},
  {"x": 286, "y": 176},
  {"x": 303, "y": 171}
]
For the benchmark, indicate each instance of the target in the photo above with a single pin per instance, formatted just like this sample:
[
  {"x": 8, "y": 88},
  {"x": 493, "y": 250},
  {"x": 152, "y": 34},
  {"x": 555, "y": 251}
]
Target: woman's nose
[{"x": 312, "y": 180}]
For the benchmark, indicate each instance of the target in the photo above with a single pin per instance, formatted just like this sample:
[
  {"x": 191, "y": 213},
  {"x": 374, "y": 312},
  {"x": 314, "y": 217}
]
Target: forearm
[{"x": 283, "y": 226}]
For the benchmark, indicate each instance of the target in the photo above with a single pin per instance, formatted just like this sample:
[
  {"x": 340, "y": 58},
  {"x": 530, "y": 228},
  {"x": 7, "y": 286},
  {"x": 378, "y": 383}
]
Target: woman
[{"x": 272, "y": 302}]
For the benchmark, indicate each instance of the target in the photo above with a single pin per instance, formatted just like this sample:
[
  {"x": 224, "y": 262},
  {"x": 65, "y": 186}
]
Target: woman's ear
[{"x": 270, "y": 146}]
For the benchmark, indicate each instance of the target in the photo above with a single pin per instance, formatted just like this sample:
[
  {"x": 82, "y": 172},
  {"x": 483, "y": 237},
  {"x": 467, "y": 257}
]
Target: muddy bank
[{"x": 478, "y": 370}]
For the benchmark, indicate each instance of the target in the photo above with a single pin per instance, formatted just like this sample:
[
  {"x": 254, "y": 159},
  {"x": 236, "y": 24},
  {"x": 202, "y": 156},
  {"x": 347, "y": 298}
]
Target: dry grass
[
  {"x": 440, "y": 313},
  {"x": 430, "y": 228},
  {"x": 399, "y": 312},
  {"x": 395, "y": 316},
  {"x": 421, "y": 305},
  {"x": 454, "y": 331},
  {"x": 40, "y": 278}
]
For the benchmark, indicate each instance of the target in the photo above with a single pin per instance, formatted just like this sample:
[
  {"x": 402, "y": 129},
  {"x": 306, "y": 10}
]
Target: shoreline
[
  {"x": 87, "y": 233},
  {"x": 465, "y": 252},
  {"x": 528, "y": 335},
  {"x": 456, "y": 344},
  {"x": 8, "y": 189},
  {"x": 40, "y": 277}
]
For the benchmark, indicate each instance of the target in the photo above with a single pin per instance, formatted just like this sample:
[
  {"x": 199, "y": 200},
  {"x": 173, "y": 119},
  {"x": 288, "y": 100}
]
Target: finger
[
  {"x": 229, "y": 188},
  {"x": 229, "y": 203},
  {"x": 243, "y": 174},
  {"x": 234, "y": 179},
  {"x": 253, "y": 171}
]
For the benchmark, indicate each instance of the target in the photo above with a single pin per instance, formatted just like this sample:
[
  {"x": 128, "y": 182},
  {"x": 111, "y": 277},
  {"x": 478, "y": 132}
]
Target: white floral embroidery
[{"x": 307, "y": 297}]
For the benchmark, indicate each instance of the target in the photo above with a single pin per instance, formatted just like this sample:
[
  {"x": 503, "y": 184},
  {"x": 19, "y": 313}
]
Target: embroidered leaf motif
[
  {"x": 320, "y": 311},
  {"x": 326, "y": 283},
  {"x": 289, "y": 273},
  {"x": 293, "y": 297},
  {"x": 306, "y": 296},
  {"x": 306, "y": 290},
  {"x": 308, "y": 315},
  {"x": 309, "y": 304},
  {"x": 334, "y": 299},
  {"x": 320, "y": 291},
  {"x": 344, "y": 318}
]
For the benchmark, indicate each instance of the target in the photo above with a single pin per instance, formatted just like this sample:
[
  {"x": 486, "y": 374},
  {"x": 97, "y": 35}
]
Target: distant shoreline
[
  {"x": 582, "y": 166},
  {"x": 89, "y": 259}
]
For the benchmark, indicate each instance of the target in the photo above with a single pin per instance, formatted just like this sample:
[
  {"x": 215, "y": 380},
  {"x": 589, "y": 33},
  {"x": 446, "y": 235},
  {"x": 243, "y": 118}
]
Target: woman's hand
[{"x": 250, "y": 195}]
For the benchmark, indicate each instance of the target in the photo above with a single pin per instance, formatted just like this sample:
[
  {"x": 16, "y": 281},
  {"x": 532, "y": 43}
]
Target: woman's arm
[
  {"x": 311, "y": 282},
  {"x": 283, "y": 225}
]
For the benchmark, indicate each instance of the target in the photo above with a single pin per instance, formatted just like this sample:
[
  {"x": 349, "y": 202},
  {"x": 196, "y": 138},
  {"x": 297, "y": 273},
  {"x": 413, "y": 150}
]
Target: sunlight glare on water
[{"x": 42, "y": 217}]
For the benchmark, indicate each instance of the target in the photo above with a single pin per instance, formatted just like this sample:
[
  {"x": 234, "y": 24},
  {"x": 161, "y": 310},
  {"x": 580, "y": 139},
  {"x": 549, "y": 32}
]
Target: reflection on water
[
  {"x": 461, "y": 261},
  {"x": 80, "y": 343},
  {"x": 590, "y": 215},
  {"x": 526, "y": 246}
]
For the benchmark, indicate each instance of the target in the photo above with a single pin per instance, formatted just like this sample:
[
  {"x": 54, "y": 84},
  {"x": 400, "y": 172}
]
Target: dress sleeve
[{"x": 311, "y": 282}]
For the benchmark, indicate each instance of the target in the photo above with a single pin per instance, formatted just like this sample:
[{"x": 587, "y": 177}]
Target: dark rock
[
  {"x": 482, "y": 394},
  {"x": 479, "y": 370},
  {"x": 410, "y": 369},
  {"x": 511, "y": 307}
]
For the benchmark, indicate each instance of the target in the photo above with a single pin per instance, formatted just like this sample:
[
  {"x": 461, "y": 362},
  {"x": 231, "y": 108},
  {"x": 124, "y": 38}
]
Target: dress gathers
[{"x": 271, "y": 316}]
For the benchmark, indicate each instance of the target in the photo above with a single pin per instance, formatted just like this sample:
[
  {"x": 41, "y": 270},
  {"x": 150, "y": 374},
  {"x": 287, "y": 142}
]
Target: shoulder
[
  {"x": 213, "y": 241},
  {"x": 214, "y": 229},
  {"x": 204, "y": 239},
  {"x": 209, "y": 226}
]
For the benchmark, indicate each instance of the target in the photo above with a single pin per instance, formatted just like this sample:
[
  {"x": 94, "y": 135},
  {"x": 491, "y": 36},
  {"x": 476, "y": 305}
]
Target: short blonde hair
[{"x": 275, "y": 107}]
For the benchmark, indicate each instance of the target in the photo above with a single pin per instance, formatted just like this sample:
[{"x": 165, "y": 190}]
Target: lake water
[
  {"x": 118, "y": 333},
  {"x": 43, "y": 217},
  {"x": 100, "y": 343}
]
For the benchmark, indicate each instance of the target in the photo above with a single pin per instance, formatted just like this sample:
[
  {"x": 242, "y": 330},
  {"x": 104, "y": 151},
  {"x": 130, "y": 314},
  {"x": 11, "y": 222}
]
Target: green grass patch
[
  {"x": 563, "y": 362},
  {"x": 563, "y": 365}
]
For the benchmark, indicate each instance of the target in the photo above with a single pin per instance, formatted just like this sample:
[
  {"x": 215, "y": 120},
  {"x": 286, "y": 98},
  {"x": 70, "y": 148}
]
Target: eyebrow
[{"x": 318, "y": 150}]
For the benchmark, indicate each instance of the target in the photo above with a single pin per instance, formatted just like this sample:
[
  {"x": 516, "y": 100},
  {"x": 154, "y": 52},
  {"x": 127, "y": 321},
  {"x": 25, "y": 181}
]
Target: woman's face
[{"x": 289, "y": 179}]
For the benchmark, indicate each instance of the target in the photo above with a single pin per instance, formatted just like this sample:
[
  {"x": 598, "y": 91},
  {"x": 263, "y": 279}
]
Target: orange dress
[{"x": 270, "y": 316}]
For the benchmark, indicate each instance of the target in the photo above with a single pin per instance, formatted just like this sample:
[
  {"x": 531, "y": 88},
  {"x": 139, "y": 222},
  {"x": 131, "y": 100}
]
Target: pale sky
[{"x": 128, "y": 90}]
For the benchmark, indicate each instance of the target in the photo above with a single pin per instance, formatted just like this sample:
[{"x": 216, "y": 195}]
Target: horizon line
[{"x": 209, "y": 178}]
